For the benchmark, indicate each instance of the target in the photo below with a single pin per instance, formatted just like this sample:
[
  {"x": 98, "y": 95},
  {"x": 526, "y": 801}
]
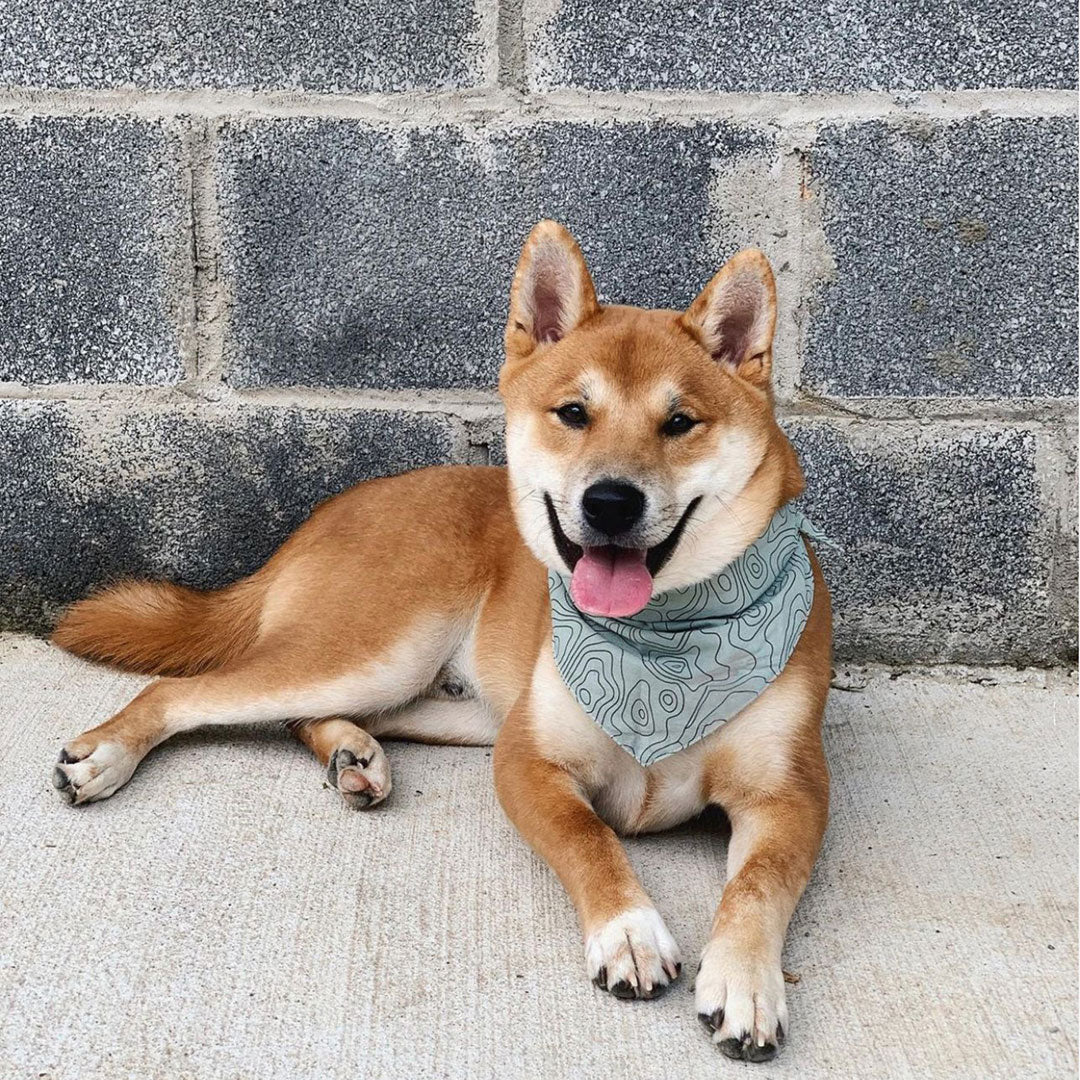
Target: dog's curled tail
[{"x": 157, "y": 628}]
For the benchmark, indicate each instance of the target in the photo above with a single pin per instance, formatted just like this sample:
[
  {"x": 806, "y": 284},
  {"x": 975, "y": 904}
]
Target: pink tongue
[{"x": 611, "y": 581}]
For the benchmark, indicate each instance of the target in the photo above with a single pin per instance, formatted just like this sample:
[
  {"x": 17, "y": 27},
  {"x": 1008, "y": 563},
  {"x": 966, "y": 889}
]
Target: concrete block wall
[{"x": 251, "y": 253}]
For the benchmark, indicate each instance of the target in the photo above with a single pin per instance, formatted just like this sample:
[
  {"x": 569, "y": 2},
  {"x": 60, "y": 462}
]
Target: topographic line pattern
[{"x": 693, "y": 657}]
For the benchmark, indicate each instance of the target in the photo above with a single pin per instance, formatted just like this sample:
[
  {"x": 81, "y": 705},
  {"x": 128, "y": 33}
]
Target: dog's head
[{"x": 643, "y": 450}]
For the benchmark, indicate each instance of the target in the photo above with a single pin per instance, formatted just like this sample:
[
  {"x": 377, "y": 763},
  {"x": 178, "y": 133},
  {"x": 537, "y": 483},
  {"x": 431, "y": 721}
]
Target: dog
[{"x": 574, "y": 608}]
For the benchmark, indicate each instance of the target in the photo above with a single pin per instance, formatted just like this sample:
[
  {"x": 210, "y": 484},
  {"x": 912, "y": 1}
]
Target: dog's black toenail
[
  {"x": 734, "y": 1048},
  {"x": 780, "y": 1035},
  {"x": 622, "y": 989},
  {"x": 601, "y": 978},
  {"x": 60, "y": 779},
  {"x": 66, "y": 758},
  {"x": 712, "y": 1020},
  {"x": 760, "y": 1053}
]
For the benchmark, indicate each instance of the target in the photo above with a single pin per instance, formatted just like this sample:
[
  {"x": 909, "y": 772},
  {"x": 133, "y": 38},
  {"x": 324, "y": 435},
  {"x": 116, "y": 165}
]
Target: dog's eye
[
  {"x": 573, "y": 414},
  {"x": 679, "y": 424}
]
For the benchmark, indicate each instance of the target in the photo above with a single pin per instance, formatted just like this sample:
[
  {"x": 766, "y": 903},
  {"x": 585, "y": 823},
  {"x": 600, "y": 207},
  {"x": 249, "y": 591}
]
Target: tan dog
[{"x": 417, "y": 607}]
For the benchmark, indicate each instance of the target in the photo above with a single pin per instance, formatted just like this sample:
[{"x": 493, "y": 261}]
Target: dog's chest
[
  {"x": 629, "y": 796},
  {"x": 635, "y": 798}
]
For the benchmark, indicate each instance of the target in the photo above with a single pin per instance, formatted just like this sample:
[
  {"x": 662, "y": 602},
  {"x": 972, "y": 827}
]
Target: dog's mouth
[{"x": 612, "y": 580}]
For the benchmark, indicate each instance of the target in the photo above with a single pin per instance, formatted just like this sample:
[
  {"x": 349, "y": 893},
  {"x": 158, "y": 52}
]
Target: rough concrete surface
[
  {"x": 91, "y": 235},
  {"x": 944, "y": 541},
  {"x": 757, "y": 45},
  {"x": 346, "y": 46},
  {"x": 90, "y": 492},
  {"x": 945, "y": 537},
  {"x": 213, "y": 208},
  {"x": 361, "y": 256},
  {"x": 955, "y": 251},
  {"x": 224, "y": 916}
]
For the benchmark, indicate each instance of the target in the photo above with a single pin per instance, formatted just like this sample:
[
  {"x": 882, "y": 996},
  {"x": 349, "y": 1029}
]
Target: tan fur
[
  {"x": 158, "y": 628},
  {"x": 417, "y": 607}
]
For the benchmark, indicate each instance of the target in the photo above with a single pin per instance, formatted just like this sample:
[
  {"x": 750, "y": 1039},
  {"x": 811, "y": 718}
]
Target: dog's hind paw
[
  {"x": 633, "y": 955},
  {"x": 83, "y": 775},
  {"x": 360, "y": 771}
]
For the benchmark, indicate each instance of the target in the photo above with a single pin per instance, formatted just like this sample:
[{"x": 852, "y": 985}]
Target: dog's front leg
[
  {"x": 628, "y": 949},
  {"x": 739, "y": 989}
]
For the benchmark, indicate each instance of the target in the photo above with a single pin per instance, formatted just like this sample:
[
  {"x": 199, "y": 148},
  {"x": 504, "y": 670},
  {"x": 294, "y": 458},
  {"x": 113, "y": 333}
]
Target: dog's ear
[
  {"x": 734, "y": 317},
  {"x": 552, "y": 291}
]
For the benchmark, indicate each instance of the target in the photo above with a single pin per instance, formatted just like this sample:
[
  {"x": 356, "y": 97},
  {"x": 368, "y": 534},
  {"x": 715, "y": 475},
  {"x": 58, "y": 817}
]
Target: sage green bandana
[{"x": 666, "y": 677}]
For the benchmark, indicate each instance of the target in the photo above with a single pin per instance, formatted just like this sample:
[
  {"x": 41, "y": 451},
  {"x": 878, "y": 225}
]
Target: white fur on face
[
  {"x": 532, "y": 473},
  {"x": 718, "y": 530},
  {"x": 723, "y": 524}
]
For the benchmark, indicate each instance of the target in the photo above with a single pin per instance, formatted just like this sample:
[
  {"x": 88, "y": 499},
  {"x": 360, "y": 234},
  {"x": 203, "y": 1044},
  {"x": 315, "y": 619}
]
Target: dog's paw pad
[
  {"x": 633, "y": 955},
  {"x": 362, "y": 776}
]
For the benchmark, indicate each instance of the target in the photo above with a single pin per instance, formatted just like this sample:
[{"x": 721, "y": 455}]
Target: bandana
[{"x": 694, "y": 657}]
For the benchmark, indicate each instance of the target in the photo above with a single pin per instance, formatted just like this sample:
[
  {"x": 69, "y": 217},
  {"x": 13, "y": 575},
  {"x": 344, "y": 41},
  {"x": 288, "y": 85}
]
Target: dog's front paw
[
  {"x": 360, "y": 771},
  {"x": 633, "y": 955},
  {"x": 740, "y": 1000}
]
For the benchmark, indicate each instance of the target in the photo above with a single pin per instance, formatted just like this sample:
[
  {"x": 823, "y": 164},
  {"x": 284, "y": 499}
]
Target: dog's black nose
[{"x": 612, "y": 506}]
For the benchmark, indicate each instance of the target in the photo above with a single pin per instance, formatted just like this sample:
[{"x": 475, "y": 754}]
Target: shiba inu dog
[{"x": 629, "y": 611}]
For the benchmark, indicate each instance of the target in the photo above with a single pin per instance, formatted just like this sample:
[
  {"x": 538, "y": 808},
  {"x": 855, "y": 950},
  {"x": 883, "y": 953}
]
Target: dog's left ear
[
  {"x": 734, "y": 317},
  {"x": 552, "y": 291}
]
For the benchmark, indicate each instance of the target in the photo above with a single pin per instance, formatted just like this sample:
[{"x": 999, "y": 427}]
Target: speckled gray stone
[
  {"x": 92, "y": 230},
  {"x": 89, "y": 491},
  {"x": 355, "y": 45},
  {"x": 945, "y": 542},
  {"x": 785, "y": 46},
  {"x": 360, "y": 256},
  {"x": 955, "y": 250}
]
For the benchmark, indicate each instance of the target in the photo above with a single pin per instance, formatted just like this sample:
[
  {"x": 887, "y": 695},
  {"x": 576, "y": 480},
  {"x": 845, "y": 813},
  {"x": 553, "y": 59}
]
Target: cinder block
[
  {"x": 757, "y": 45},
  {"x": 955, "y": 250},
  {"x": 92, "y": 233},
  {"x": 360, "y": 256},
  {"x": 228, "y": 44},
  {"x": 90, "y": 492},
  {"x": 945, "y": 541}
]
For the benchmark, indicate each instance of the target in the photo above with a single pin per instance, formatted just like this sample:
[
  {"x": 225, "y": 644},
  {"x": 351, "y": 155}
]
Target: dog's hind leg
[
  {"x": 276, "y": 681},
  {"x": 355, "y": 763},
  {"x": 439, "y": 720}
]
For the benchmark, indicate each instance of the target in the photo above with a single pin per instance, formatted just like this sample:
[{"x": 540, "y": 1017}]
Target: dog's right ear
[{"x": 552, "y": 291}]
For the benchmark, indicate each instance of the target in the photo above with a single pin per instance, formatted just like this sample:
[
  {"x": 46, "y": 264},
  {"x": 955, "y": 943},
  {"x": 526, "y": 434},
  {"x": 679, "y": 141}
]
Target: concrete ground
[{"x": 225, "y": 916}]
